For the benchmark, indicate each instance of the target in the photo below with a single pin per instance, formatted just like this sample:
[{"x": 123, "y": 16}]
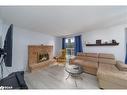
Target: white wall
[
  {"x": 114, "y": 32},
  {"x": 0, "y": 26},
  {"x": 21, "y": 39}
]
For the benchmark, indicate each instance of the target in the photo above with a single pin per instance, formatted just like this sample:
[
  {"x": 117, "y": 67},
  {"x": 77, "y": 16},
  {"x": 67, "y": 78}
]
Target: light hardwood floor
[{"x": 54, "y": 77}]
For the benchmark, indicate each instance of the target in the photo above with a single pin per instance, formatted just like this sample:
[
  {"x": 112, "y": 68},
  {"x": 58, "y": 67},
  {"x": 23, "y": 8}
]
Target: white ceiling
[{"x": 64, "y": 20}]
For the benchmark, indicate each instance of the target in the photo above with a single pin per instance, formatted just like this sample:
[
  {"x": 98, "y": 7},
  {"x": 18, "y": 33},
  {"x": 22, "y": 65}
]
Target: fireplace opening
[{"x": 42, "y": 57}]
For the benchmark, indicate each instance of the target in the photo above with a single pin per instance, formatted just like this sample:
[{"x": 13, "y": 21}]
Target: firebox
[{"x": 41, "y": 57}]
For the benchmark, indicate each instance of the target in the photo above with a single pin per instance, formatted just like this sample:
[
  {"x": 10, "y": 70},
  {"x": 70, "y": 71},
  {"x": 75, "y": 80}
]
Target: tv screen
[{"x": 8, "y": 43}]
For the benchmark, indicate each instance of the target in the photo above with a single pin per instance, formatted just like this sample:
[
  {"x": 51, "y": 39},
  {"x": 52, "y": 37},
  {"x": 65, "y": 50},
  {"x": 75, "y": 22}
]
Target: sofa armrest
[
  {"x": 121, "y": 66},
  {"x": 14, "y": 80},
  {"x": 119, "y": 62}
]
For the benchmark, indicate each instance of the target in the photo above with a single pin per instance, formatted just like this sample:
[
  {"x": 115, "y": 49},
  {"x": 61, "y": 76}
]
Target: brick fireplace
[{"x": 39, "y": 56}]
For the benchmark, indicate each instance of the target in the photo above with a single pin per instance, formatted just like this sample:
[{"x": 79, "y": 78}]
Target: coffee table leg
[
  {"x": 68, "y": 76},
  {"x": 81, "y": 78},
  {"x": 75, "y": 82}
]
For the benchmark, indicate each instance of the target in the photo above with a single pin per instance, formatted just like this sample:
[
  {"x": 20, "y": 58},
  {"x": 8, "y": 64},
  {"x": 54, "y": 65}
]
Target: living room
[{"x": 57, "y": 34}]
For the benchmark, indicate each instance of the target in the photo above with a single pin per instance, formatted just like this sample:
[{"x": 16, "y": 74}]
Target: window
[{"x": 70, "y": 46}]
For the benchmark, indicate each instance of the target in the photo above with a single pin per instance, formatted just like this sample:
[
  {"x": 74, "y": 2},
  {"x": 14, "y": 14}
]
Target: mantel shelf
[{"x": 108, "y": 44}]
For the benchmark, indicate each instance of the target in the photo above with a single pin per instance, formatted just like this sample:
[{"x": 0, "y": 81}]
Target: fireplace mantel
[{"x": 33, "y": 51}]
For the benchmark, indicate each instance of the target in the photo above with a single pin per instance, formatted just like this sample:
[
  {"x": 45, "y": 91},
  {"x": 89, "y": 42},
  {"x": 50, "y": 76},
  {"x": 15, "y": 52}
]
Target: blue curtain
[
  {"x": 63, "y": 43},
  {"x": 126, "y": 55},
  {"x": 78, "y": 44}
]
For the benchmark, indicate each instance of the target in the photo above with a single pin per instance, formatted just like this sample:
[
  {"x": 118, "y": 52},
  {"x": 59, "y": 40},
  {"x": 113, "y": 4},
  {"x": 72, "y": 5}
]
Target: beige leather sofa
[
  {"x": 111, "y": 74},
  {"x": 89, "y": 61}
]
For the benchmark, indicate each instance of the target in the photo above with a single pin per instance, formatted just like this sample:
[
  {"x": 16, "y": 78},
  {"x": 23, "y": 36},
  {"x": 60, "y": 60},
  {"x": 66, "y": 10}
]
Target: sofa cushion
[
  {"x": 121, "y": 66},
  {"x": 78, "y": 61},
  {"x": 81, "y": 54},
  {"x": 92, "y": 55},
  {"x": 80, "y": 57},
  {"x": 107, "y": 56},
  {"x": 86, "y": 63},
  {"x": 93, "y": 59},
  {"x": 107, "y": 61},
  {"x": 90, "y": 64}
]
